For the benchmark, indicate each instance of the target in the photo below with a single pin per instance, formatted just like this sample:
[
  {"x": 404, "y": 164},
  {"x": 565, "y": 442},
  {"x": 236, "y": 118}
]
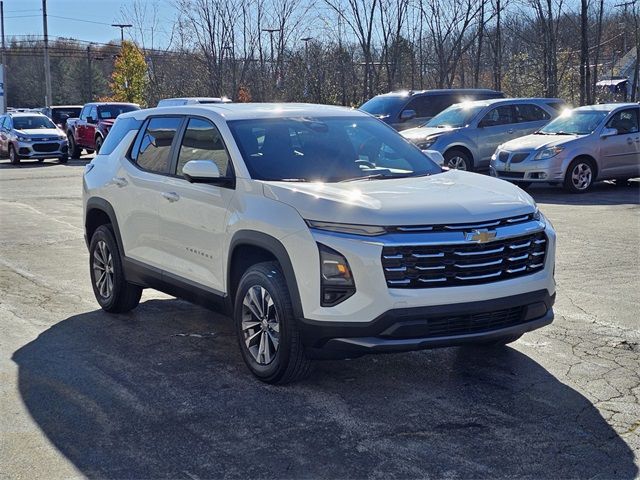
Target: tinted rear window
[{"x": 120, "y": 128}]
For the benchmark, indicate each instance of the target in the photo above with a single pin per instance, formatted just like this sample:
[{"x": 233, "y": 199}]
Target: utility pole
[
  {"x": 89, "y": 74},
  {"x": 4, "y": 61},
  {"x": 121, "y": 26},
  {"x": 306, "y": 65},
  {"x": 271, "y": 31},
  {"x": 47, "y": 66}
]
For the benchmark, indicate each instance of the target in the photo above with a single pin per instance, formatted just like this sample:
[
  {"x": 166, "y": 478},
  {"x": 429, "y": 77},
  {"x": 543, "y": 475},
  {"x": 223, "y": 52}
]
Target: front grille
[
  {"x": 45, "y": 147},
  {"x": 453, "y": 227},
  {"x": 518, "y": 157},
  {"x": 510, "y": 174},
  {"x": 458, "y": 324},
  {"x": 433, "y": 266}
]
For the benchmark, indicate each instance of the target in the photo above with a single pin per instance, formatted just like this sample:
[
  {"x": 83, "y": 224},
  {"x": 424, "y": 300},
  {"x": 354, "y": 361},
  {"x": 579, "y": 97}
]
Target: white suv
[{"x": 320, "y": 229}]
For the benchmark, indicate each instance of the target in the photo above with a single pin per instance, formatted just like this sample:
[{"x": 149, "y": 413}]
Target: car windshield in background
[
  {"x": 383, "y": 106},
  {"x": 576, "y": 122},
  {"x": 62, "y": 114},
  {"x": 327, "y": 149},
  {"x": 455, "y": 116},
  {"x": 106, "y": 112},
  {"x": 27, "y": 123}
]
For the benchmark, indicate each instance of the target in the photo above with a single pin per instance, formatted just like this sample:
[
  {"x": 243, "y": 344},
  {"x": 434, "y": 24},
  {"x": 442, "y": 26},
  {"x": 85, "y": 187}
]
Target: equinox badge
[{"x": 480, "y": 236}]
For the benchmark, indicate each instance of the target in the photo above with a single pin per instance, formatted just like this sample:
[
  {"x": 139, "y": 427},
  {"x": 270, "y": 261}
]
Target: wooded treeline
[{"x": 345, "y": 51}]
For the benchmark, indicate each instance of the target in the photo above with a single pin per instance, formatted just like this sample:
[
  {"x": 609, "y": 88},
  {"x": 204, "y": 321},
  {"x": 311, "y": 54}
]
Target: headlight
[
  {"x": 62, "y": 137},
  {"x": 346, "y": 228},
  {"x": 548, "y": 152},
  {"x": 336, "y": 280},
  {"x": 425, "y": 143},
  {"x": 23, "y": 139}
]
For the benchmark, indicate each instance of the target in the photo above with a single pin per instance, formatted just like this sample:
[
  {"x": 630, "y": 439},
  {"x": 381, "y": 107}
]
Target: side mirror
[
  {"x": 609, "y": 132},
  {"x": 434, "y": 156},
  {"x": 407, "y": 115},
  {"x": 202, "y": 171},
  {"x": 487, "y": 123},
  {"x": 91, "y": 120}
]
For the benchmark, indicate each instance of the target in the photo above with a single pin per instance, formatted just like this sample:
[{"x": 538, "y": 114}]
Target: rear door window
[
  {"x": 528, "y": 112},
  {"x": 427, "y": 106},
  {"x": 120, "y": 129},
  {"x": 152, "y": 149}
]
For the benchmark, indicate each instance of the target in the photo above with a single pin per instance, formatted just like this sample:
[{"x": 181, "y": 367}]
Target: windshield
[
  {"x": 106, "y": 112},
  {"x": 383, "y": 106},
  {"x": 26, "y": 123},
  {"x": 327, "y": 149},
  {"x": 575, "y": 122},
  {"x": 455, "y": 116}
]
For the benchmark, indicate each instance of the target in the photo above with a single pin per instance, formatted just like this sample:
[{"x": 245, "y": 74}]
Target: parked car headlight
[
  {"x": 335, "y": 277},
  {"x": 549, "y": 152},
  {"x": 425, "y": 143},
  {"x": 22, "y": 138},
  {"x": 347, "y": 228}
]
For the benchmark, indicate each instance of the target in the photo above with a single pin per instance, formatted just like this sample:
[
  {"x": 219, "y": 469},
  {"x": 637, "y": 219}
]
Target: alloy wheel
[
  {"x": 457, "y": 163},
  {"x": 103, "y": 269},
  {"x": 581, "y": 176},
  {"x": 260, "y": 325}
]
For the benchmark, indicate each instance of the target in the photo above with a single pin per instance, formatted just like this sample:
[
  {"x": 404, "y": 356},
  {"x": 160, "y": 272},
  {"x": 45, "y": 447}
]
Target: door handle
[
  {"x": 171, "y": 196},
  {"x": 120, "y": 181},
  {"x": 510, "y": 130}
]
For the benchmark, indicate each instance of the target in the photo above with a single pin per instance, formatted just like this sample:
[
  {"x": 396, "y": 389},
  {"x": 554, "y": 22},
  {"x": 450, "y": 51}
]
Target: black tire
[
  {"x": 40, "y": 160},
  {"x": 74, "y": 151},
  {"x": 458, "y": 160},
  {"x": 99, "y": 142},
  {"x": 64, "y": 159},
  {"x": 578, "y": 167},
  {"x": 13, "y": 156},
  {"x": 123, "y": 296},
  {"x": 88, "y": 151},
  {"x": 523, "y": 185},
  {"x": 623, "y": 182},
  {"x": 290, "y": 361}
]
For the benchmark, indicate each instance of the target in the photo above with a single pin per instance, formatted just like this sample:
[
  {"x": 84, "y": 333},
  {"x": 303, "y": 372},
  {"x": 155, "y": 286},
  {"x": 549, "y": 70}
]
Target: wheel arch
[
  {"x": 591, "y": 159},
  {"x": 462, "y": 148},
  {"x": 99, "y": 212},
  {"x": 248, "y": 247}
]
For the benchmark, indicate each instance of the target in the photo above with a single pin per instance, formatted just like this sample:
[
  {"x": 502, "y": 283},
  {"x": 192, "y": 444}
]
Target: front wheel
[
  {"x": 74, "y": 151},
  {"x": 580, "y": 176},
  {"x": 99, "y": 142},
  {"x": 111, "y": 289},
  {"x": 458, "y": 160},
  {"x": 14, "y": 158},
  {"x": 266, "y": 326}
]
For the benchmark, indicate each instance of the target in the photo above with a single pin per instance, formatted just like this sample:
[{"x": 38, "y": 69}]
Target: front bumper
[
  {"x": 42, "y": 149},
  {"x": 418, "y": 328},
  {"x": 551, "y": 170}
]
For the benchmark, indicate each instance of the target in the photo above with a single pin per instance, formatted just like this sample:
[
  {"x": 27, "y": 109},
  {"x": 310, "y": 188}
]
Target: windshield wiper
[
  {"x": 378, "y": 176},
  {"x": 290, "y": 180},
  {"x": 563, "y": 133}
]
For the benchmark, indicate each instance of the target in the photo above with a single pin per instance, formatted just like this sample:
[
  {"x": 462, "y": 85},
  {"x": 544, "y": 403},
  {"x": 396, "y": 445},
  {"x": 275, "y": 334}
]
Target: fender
[
  {"x": 96, "y": 203},
  {"x": 273, "y": 246}
]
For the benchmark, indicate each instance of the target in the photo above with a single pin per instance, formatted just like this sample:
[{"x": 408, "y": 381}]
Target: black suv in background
[
  {"x": 60, "y": 113},
  {"x": 408, "y": 109}
]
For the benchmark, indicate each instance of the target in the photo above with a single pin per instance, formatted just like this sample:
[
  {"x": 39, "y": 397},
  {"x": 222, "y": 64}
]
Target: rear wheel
[
  {"x": 113, "y": 292},
  {"x": 266, "y": 326},
  {"x": 458, "y": 160},
  {"x": 580, "y": 176},
  {"x": 14, "y": 158},
  {"x": 74, "y": 151},
  {"x": 63, "y": 159}
]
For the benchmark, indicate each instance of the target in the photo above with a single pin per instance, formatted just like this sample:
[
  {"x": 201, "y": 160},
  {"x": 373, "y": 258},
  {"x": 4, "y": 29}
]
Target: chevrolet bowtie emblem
[{"x": 480, "y": 236}]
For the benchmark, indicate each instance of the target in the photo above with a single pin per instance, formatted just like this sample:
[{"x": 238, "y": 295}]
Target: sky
[{"x": 87, "y": 20}]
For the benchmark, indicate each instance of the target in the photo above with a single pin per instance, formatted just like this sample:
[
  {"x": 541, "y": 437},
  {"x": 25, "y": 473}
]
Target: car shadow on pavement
[
  {"x": 601, "y": 193},
  {"x": 163, "y": 392}
]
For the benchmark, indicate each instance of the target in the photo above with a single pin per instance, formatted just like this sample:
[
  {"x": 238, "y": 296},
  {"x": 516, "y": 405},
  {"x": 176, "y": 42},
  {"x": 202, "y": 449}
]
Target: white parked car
[
  {"x": 320, "y": 229},
  {"x": 586, "y": 144}
]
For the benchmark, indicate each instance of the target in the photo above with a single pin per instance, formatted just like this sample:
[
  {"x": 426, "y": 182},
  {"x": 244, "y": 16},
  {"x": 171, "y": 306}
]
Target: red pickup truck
[{"x": 90, "y": 129}]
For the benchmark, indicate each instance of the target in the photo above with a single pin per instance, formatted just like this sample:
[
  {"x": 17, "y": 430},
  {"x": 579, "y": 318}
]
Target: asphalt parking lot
[{"x": 162, "y": 392}]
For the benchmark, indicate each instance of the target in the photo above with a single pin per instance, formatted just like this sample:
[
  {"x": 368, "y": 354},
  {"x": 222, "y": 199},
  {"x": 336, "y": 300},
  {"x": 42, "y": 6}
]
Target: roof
[
  {"x": 440, "y": 91},
  {"x": 99, "y": 104},
  {"x": 508, "y": 101},
  {"x": 244, "y": 111},
  {"x": 611, "y": 82},
  {"x": 65, "y": 106},
  {"x": 606, "y": 107},
  {"x": 26, "y": 114}
]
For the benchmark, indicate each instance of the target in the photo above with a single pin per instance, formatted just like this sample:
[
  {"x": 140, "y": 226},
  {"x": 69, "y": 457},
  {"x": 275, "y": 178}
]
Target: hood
[
  {"x": 450, "y": 197},
  {"x": 420, "y": 133},
  {"x": 533, "y": 142},
  {"x": 40, "y": 132}
]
